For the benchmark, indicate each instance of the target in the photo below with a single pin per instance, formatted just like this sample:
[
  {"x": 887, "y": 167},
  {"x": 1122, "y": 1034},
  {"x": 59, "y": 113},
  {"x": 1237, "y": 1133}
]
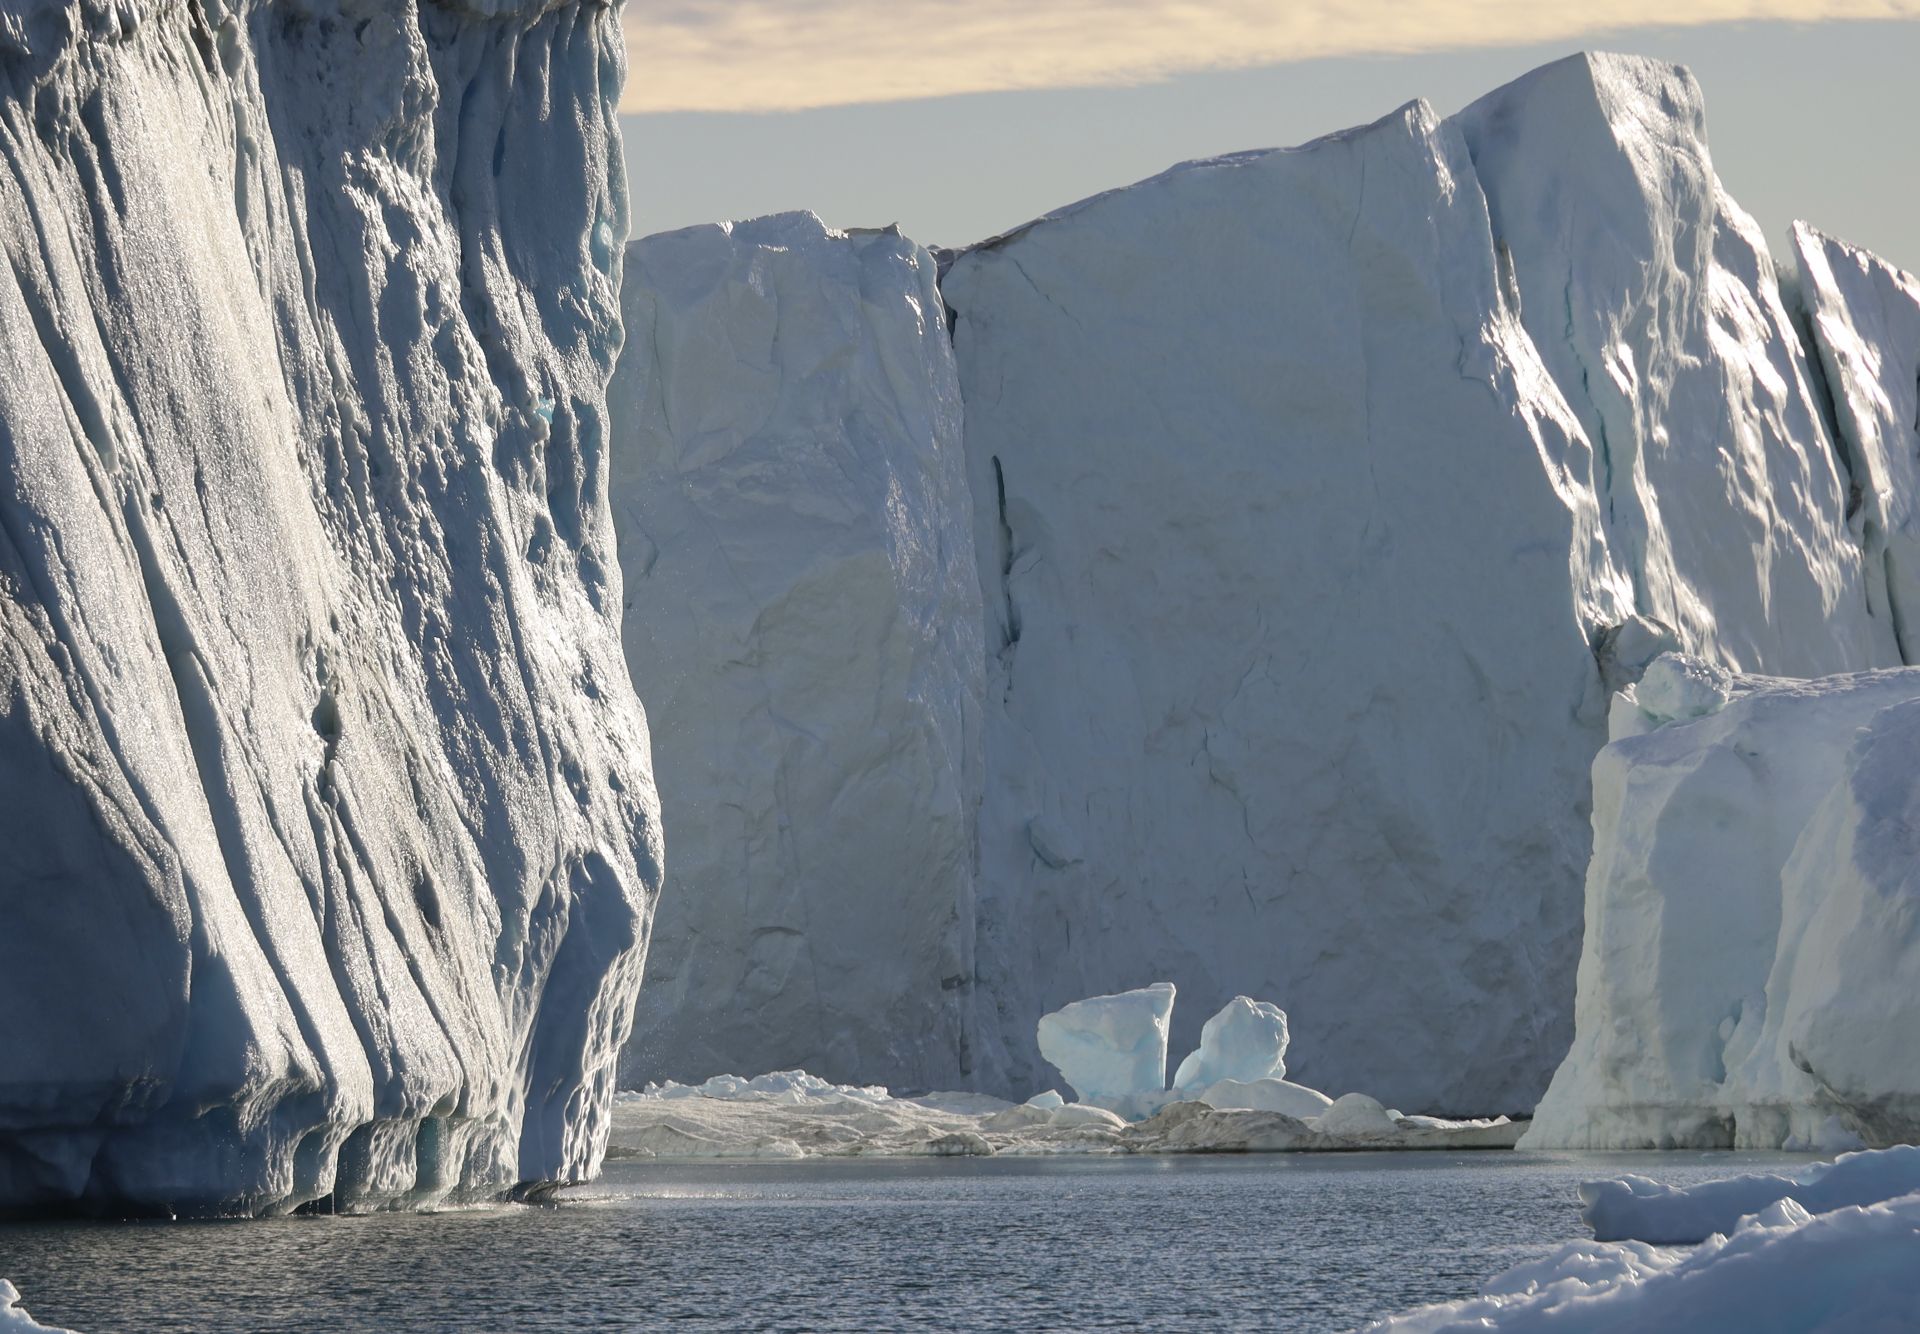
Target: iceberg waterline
[
  {"x": 1318, "y": 502},
  {"x": 329, "y": 831}
]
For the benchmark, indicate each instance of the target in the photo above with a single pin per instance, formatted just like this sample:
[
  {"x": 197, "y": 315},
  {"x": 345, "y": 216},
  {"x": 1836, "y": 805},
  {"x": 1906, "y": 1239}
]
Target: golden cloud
[{"x": 780, "y": 55}]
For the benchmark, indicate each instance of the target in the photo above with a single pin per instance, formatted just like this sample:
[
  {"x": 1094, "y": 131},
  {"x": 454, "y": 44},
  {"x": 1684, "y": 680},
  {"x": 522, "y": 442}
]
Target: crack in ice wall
[{"x": 329, "y": 826}]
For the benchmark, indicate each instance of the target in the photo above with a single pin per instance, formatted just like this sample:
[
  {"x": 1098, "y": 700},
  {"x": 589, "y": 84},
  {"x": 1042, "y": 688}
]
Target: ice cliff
[
  {"x": 1752, "y": 960},
  {"x": 327, "y": 830},
  {"x": 1320, "y": 499},
  {"x": 803, "y": 617}
]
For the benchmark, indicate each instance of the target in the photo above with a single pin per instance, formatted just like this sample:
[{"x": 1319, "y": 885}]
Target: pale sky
[{"x": 962, "y": 118}]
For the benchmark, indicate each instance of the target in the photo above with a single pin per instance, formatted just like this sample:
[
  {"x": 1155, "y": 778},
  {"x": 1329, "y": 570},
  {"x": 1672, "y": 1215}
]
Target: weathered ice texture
[
  {"x": 802, "y": 612},
  {"x": 1751, "y": 969},
  {"x": 1863, "y": 316},
  {"x": 1321, "y": 497},
  {"x": 327, "y": 833}
]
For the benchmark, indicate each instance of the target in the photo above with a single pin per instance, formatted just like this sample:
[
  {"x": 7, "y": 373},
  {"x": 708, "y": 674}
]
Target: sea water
[{"x": 1268, "y": 1242}]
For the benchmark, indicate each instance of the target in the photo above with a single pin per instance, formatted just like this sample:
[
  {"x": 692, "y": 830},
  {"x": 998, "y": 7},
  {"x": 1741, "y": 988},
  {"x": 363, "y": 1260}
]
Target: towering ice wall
[
  {"x": 1751, "y": 970},
  {"x": 1321, "y": 498},
  {"x": 1751, "y": 956},
  {"x": 802, "y": 611},
  {"x": 327, "y": 832}
]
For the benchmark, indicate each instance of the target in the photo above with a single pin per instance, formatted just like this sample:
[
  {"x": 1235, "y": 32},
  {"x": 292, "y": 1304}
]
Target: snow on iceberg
[
  {"x": 803, "y": 618},
  {"x": 1112, "y": 1049},
  {"x": 14, "y": 1319},
  {"x": 1635, "y": 1208},
  {"x": 1245, "y": 1042},
  {"x": 1750, "y": 975},
  {"x": 330, "y": 836},
  {"x": 1781, "y": 1271}
]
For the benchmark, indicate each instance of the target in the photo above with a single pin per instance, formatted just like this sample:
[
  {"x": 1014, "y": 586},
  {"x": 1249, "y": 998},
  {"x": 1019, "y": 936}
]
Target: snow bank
[
  {"x": 1322, "y": 497},
  {"x": 1638, "y": 1209},
  {"x": 1781, "y": 1272},
  {"x": 803, "y": 618},
  {"x": 1751, "y": 974},
  {"x": 14, "y": 1320},
  {"x": 329, "y": 834}
]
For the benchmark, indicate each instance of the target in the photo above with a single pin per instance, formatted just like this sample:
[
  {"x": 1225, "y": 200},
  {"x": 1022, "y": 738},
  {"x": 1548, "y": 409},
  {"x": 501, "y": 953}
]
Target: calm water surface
[{"x": 1274, "y": 1242}]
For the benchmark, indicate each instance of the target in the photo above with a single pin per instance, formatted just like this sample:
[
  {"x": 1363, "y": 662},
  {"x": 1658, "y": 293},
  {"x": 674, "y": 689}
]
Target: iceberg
[
  {"x": 1112, "y": 1049},
  {"x": 1354, "y": 358},
  {"x": 330, "y": 838},
  {"x": 1246, "y": 1042},
  {"x": 1749, "y": 975},
  {"x": 1312, "y": 508},
  {"x": 802, "y": 616},
  {"x": 1635, "y": 1208}
]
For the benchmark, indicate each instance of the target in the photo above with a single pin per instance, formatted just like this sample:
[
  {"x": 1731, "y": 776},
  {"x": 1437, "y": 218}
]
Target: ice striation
[
  {"x": 802, "y": 615},
  {"x": 329, "y": 831},
  {"x": 1320, "y": 501},
  {"x": 1751, "y": 962}
]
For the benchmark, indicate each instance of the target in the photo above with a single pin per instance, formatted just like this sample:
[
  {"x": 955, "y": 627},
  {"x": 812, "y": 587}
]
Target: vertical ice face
[
  {"x": 1321, "y": 496},
  {"x": 327, "y": 830},
  {"x": 1863, "y": 316},
  {"x": 1293, "y": 562},
  {"x": 1750, "y": 962},
  {"x": 1654, "y": 304},
  {"x": 802, "y": 611}
]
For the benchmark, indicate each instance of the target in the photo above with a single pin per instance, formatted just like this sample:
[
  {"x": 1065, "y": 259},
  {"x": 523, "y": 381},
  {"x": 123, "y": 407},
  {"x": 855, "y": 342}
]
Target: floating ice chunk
[
  {"x": 1355, "y": 1116},
  {"x": 1782, "y": 1270},
  {"x": 1266, "y": 1095},
  {"x": 13, "y": 1320},
  {"x": 1246, "y": 1041},
  {"x": 1051, "y": 1098},
  {"x": 1677, "y": 688},
  {"x": 1635, "y": 1208},
  {"x": 1111, "y": 1048}
]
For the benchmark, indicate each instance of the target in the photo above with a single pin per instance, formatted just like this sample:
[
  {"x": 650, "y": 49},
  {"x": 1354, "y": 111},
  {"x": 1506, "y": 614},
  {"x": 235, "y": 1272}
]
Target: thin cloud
[{"x": 779, "y": 55}]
